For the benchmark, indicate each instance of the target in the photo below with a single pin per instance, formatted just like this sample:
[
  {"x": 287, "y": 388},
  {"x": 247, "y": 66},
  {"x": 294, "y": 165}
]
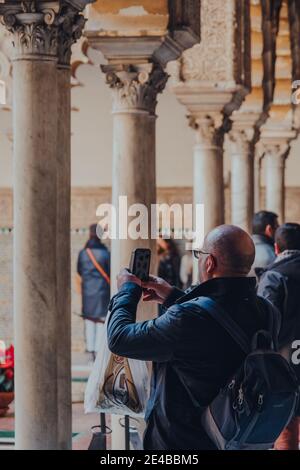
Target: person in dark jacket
[
  {"x": 264, "y": 226},
  {"x": 280, "y": 283},
  {"x": 193, "y": 355},
  {"x": 93, "y": 267},
  {"x": 169, "y": 261}
]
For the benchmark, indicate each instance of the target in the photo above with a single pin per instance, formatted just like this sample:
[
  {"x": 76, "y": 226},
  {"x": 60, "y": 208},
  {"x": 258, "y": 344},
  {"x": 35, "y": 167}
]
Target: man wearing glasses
[{"x": 193, "y": 355}]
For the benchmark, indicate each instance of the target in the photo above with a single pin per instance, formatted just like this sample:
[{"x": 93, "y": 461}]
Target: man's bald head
[{"x": 232, "y": 250}]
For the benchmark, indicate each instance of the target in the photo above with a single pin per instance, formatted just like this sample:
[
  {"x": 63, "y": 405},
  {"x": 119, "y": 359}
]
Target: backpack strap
[
  {"x": 221, "y": 316},
  {"x": 274, "y": 321}
]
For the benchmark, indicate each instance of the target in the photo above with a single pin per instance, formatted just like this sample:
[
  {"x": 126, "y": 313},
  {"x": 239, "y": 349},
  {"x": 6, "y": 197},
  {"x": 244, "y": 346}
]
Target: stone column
[
  {"x": 35, "y": 199},
  {"x": 258, "y": 158},
  {"x": 41, "y": 222},
  {"x": 275, "y": 158},
  {"x": 71, "y": 26},
  {"x": 208, "y": 168},
  {"x": 134, "y": 101},
  {"x": 242, "y": 178}
]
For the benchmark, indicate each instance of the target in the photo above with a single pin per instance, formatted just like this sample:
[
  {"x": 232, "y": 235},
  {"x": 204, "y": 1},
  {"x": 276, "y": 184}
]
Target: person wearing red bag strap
[{"x": 94, "y": 271}]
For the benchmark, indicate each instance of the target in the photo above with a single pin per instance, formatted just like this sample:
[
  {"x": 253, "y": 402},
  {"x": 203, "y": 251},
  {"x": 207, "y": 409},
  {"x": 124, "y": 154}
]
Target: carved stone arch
[
  {"x": 294, "y": 21},
  {"x": 270, "y": 25}
]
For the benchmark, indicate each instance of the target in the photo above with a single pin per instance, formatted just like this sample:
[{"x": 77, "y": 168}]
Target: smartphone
[{"x": 140, "y": 263}]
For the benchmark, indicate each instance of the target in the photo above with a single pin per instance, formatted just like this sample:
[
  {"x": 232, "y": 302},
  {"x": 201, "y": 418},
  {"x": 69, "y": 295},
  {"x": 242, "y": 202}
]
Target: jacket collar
[
  {"x": 263, "y": 239},
  {"x": 284, "y": 260},
  {"x": 287, "y": 254},
  {"x": 95, "y": 243},
  {"x": 222, "y": 286}
]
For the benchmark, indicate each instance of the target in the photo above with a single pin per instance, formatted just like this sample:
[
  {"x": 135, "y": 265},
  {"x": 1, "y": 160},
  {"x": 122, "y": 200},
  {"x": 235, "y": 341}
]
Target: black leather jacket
[{"x": 193, "y": 355}]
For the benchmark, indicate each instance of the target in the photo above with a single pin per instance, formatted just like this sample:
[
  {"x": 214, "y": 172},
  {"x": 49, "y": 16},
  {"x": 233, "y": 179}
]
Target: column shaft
[
  {"x": 257, "y": 182},
  {"x": 135, "y": 92},
  {"x": 35, "y": 196},
  {"x": 208, "y": 185},
  {"x": 133, "y": 176},
  {"x": 275, "y": 184},
  {"x": 43, "y": 35},
  {"x": 242, "y": 188},
  {"x": 208, "y": 171},
  {"x": 63, "y": 257}
]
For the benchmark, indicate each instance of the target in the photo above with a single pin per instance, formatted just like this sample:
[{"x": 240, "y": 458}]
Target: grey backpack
[{"x": 259, "y": 401}]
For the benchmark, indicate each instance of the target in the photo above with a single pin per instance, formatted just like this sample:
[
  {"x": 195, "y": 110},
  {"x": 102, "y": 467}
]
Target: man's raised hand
[{"x": 156, "y": 290}]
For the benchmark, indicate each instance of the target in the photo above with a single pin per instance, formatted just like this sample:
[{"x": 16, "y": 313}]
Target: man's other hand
[
  {"x": 126, "y": 276},
  {"x": 156, "y": 290}
]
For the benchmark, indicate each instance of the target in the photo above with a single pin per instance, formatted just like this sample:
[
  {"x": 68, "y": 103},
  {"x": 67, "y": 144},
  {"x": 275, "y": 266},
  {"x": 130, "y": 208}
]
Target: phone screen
[{"x": 140, "y": 263}]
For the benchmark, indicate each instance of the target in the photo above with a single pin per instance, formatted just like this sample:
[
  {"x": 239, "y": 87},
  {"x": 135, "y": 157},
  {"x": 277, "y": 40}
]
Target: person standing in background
[
  {"x": 93, "y": 267},
  {"x": 169, "y": 262},
  {"x": 186, "y": 269},
  {"x": 264, "y": 226},
  {"x": 280, "y": 284}
]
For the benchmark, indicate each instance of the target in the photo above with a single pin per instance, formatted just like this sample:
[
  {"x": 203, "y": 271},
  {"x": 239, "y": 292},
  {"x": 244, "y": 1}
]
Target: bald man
[{"x": 193, "y": 355}]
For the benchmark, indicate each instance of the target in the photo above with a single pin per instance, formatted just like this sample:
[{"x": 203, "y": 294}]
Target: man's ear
[
  {"x": 277, "y": 250},
  {"x": 210, "y": 264},
  {"x": 269, "y": 232}
]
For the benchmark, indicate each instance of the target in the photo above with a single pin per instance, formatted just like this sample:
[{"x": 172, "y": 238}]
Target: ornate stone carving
[
  {"x": 213, "y": 76},
  {"x": 33, "y": 26},
  {"x": 71, "y": 24},
  {"x": 270, "y": 25},
  {"x": 210, "y": 132},
  {"x": 44, "y": 28},
  {"x": 241, "y": 141},
  {"x": 217, "y": 58},
  {"x": 136, "y": 88},
  {"x": 278, "y": 150}
]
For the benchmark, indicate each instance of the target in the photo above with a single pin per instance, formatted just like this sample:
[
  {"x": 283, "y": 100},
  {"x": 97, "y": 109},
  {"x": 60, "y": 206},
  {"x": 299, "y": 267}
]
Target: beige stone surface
[{"x": 128, "y": 17}]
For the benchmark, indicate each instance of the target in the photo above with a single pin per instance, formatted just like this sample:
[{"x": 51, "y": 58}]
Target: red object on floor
[
  {"x": 289, "y": 438},
  {"x": 6, "y": 398}
]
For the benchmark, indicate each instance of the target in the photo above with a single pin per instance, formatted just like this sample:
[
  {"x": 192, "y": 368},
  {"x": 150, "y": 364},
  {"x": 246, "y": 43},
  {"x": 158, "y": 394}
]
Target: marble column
[
  {"x": 208, "y": 168},
  {"x": 258, "y": 159},
  {"x": 135, "y": 93},
  {"x": 275, "y": 158},
  {"x": 71, "y": 26},
  {"x": 134, "y": 102},
  {"x": 41, "y": 111},
  {"x": 242, "y": 178},
  {"x": 35, "y": 199}
]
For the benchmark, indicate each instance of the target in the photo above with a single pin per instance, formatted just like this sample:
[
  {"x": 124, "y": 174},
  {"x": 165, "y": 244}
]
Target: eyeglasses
[{"x": 197, "y": 253}]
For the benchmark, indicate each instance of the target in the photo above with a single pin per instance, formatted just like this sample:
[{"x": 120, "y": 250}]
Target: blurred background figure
[
  {"x": 264, "y": 226},
  {"x": 93, "y": 267},
  {"x": 169, "y": 262},
  {"x": 186, "y": 269}
]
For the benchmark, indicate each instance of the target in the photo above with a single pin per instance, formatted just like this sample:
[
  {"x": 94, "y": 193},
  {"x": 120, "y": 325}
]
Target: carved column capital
[
  {"x": 33, "y": 27},
  {"x": 210, "y": 132},
  {"x": 260, "y": 152},
  {"x": 70, "y": 28},
  {"x": 241, "y": 140},
  {"x": 277, "y": 151},
  {"x": 135, "y": 88},
  {"x": 44, "y": 28}
]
